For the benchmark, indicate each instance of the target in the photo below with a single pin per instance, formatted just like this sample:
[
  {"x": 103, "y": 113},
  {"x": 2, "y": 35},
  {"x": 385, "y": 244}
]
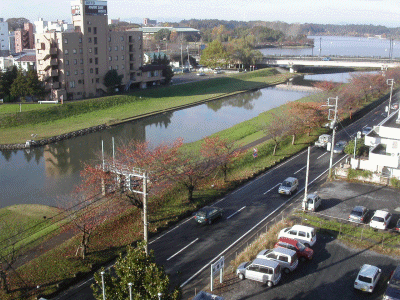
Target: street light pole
[
  {"x": 102, "y": 284},
  {"x": 145, "y": 234},
  {"x": 390, "y": 82},
  {"x": 130, "y": 290},
  {"x": 333, "y": 126},
  {"x": 307, "y": 171}
]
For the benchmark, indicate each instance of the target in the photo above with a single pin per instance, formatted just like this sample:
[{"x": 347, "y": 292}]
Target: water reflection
[{"x": 243, "y": 100}]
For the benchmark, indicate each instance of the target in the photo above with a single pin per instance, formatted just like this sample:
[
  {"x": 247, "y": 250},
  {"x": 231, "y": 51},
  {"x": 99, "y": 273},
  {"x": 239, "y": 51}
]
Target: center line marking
[
  {"x": 271, "y": 188},
  {"x": 321, "y": 155},
  {"x": 300, "y": 170},
  {"x": 236, "y": 212},
  {"x": 182, "y": 249}
]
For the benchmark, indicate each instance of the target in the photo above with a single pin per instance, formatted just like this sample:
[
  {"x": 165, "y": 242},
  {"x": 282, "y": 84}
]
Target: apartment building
[
  {"x": 24, "y": 38},
  {"x": 4, "y": 42},
  {"x": 74, "y": 63}
]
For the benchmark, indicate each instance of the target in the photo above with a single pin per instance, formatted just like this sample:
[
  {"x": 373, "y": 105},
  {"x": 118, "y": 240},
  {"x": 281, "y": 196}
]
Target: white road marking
[
  {"x": 236, "y": 212},
  {"x": 300, "y": 170},
  {"x": 251, "y": 229},
  {"x": 170, "y": 230},
  {"x": 218, "y": 201},
  {"x": 271, "y": 189},
  {"x": 182, "y": 249},
  {"x": 321, "y": 155}
]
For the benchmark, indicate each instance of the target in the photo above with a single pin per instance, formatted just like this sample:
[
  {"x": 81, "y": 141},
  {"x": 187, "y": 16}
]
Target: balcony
[
  {"x": 54, "y": 73},
  {"x": 54, "y": 62},
  {"x": 54, "y": 85},
  {"x": 379, "y": 155},
  {"x": 53, "y": 51}
]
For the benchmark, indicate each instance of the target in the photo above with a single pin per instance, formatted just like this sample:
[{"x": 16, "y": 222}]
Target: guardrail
[{"x": 48, "y": 101}]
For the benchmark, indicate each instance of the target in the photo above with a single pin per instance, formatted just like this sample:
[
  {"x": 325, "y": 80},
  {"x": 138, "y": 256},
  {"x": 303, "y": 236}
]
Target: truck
[{"x": 323, "y": 140}]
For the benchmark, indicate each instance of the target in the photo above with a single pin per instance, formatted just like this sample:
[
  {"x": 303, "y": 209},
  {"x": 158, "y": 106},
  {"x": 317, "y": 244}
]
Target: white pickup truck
[{"x": 323, "y": 140}]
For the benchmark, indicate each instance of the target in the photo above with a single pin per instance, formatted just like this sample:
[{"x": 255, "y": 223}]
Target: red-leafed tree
[
  {"x": 222, "y": 151},
  {"x": 276, "y": 129},
  {"x": 311, "y": 114},
  {"x": 325, "y": 85}
]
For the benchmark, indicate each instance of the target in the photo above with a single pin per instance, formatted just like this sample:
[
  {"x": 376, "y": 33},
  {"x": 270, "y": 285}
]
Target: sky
[{"x": 376, "y": 12}]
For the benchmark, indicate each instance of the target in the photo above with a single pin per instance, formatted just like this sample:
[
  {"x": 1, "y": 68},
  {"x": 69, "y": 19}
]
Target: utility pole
[
  {"x": 181, "y": 58},
  {"x": 145, "y": 234},
  {"x": 187, "y": 49},
  {"x": 307, "y": 171},
  {"x": 320, "y": 47},
  {"x": 390, "y": 82},
  {"x": 333, "y": 126}
]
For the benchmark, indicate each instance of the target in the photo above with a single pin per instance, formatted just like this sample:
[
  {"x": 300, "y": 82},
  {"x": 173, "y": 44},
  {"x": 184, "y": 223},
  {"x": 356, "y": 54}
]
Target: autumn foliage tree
[
  {"x": 310, "y": 114},
  {"x": 276, "y": 129}
]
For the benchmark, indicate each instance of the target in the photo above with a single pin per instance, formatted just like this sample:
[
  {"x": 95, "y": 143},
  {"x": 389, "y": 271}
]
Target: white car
[
  {"x": 380, "y": 219},
  {"x": 300, "y": 233},
  {"x": 367, "y": 278},
  {"x": 289, "y": 186}
]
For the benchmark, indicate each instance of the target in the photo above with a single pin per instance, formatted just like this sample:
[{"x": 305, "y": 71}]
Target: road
[{"x": 187, "y": 249}]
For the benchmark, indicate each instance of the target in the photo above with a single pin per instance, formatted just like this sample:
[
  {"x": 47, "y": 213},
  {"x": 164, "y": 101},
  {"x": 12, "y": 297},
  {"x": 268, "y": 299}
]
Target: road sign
[{"x": 216, "y": 267}]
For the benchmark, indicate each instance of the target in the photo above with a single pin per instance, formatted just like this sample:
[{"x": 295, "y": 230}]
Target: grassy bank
[{"x": 71, "y": 116}]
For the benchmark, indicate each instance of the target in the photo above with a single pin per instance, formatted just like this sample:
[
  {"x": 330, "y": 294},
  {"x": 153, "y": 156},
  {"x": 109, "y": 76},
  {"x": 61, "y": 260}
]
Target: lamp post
[
  {"x": 102, "y": 284},
  {"x": 358, "y": 136},
  {"x": 333, "y": 126},
  {"x": 390, "y": 82},
  {"x": 130, "y": 290},
  {"x": 159, "y": 296}
]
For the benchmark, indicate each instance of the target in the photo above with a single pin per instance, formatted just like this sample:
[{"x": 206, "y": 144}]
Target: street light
[
  {"x": 102, "y": 284},
  {"x": 159, "y": 296},
  {"x": 130, "y": 290},
  {"x": 390, "y": 82},
  {"x": 358, "y": 136}
]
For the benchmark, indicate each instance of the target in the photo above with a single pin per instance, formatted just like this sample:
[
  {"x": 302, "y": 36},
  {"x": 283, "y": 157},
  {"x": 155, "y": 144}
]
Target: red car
[{"x": 303, "y": 252}]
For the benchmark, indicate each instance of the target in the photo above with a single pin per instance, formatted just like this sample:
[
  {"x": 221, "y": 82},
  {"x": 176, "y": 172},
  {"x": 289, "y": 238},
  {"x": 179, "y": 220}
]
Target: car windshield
[
  {"x": 365, "y": 279},
  {"x": 301, "y": 246},
  {"x": 377, "y": 219},
  {"x": 356, "y": 213},
  {"x": 286, "y": 184},
  {"x": 201, "y": 214}
]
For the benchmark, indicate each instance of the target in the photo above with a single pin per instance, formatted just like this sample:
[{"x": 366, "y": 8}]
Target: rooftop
[{"x": 391, "y": 121}]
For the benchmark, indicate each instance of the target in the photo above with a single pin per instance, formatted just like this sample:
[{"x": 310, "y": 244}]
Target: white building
[
  {"x": 5, "y": 63},
  {"x": 384, "y": 153},
  {"x": 4, "y": 39},
  {"x": 42, "y": 26}
]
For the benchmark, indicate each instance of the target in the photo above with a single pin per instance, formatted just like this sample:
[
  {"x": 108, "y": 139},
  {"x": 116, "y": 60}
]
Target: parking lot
[{"x": 331, "y": 273}]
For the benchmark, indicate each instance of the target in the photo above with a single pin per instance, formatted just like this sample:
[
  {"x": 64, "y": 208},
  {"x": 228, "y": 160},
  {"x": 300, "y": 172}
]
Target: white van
[
  {"x": 263, "y": 270},
  {"x": 301, "y": 233},
  {"x": 312, "y": 202},
  {"x": 287, "y": 258}
]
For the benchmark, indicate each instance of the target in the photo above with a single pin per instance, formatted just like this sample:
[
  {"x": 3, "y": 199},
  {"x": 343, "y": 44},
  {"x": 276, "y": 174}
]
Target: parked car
[
  {"x": 393, "y": 289},
  {"x": 326, "y": 58},
  {"x": 301, "y": 233},
  {"x": 366, "y": 130},
  {"x": 208, "y": 214},
  {"x": 358, "y": 214},
  {"x": 285, "y": 257},
  {"x": 303, "y": 252},
  {"x": 339, "y": 147},
  {"x": 263, "y": 270},
  {"x": 367, "y": 278},
  {"x": 201, "y": 74},
  {"x": 312, "y": 202},
  {"x": 395, "y": 106},
  {"x": 288, "y": 186},
  {"x": 380, "y": 219},
  {"x": 218, "y": 71}
]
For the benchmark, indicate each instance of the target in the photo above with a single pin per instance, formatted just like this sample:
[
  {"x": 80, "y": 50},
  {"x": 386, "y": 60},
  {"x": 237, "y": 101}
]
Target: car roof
[
  {"x": 381, "y": 213},
  {"x": 265, "y": 262},
  {"x": 290, "y": 179},
  {"x": 288, "y": 241},
  {"x": 285, "y": 251},
  {"x": 368, "y": 270},
  {"x": 312, "y": 196},
  {"x": 302, "y": 227}
]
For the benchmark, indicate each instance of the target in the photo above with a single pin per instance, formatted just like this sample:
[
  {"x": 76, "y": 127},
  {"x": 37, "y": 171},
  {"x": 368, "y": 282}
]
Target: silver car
[
  {"x": 289, "y": 186},
  {"x": 339, "y": 147},
  {"x": 263, "y": 270},
  {"x": 358, "y": 214}
]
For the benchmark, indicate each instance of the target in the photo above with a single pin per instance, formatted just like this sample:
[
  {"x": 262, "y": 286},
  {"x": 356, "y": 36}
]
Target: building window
[
  {"x": 123, "y": 67},
  {"x": 116, "y": 58},
  {"x": 67, "y": 62},
  {"x": 110, "y": 68},
  {"x": 66, "y": 52},
  {"x": 72, "y": 84},
  {"x": 67, "y": 73},
  {"x": 116, "y": 48},
  {"x": 74, "y": 51},
  {"x": 97, "y": 71},
  {"x": 109, "y": 49},
  {"x": 90, "y": 60},
  {"x": 95, "y": 50},
  {"x": 122, "y": 57},
  {"x": 76, "y": 72},
  {"x": 65, "y": 41},
  {"x": 97, "y": 80},
  {"x": 40, "y": 62},
  {"x": 80, "y": 50},
  {"x": 122, "y": 48},
  {"x": 110, "y": 58},
  {"x": 95, "y": 40},
  {"x": 94, "y": 30},
  {"x": 89, "y": 29},
  {"x": 109, "y": 38},
  {"x": 116, "y": 67},
  {"x": 91, "y": 70},
  {"x": 122, "y": 38},
  {"x": 81, "y": 61},
  {"x": 89, "y": 40},
  {"x": 96, "y": 60},
  {"x": 75, "y": 61},
  {"x": 81, "y": 71},
  {"x": 90, "y": 50},
  {"x": 130, "y": 39},
  {"x": 80, "y": 40}
]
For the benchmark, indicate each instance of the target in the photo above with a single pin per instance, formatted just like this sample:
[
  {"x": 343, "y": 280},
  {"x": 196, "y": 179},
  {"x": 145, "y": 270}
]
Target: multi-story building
[
  {"x": 4, "y": 43},
  {"x": 74, "y": 63},
  {"x": 42, "y": 26},
  {"x": 24, "y": 38}
]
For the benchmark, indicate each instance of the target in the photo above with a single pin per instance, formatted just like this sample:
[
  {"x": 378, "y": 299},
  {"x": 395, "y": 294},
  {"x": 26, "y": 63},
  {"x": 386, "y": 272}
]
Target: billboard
[{"x": 96, "y": 8}]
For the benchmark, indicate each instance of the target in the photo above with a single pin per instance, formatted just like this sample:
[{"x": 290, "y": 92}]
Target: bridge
[{"x": 294, "y": 62}]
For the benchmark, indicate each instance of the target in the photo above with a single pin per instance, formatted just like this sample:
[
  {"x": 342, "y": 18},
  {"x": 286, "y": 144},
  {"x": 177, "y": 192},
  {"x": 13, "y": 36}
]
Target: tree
[
  {"x": 242, "y": 50},
  {"x": 7, "y": 79},
  {"x": 147, "y": 278},
  {"x": 34, "y": 85},
  {"x": 361, "y": 148},
  {"x": 311, "y": 114},
  {"x": 112, "y": 80},
  {"x": 167, "y": 72},
  {"x": 162, "y": 35},
  {"x": 214, "y": 55},
  {"x": 19, "y": 87},
  {"x": 325, "y": 85},
  {"x": 15, "y": 23},
  {"x": 276, "y": 129},
  {"x": 222, "y": 151}
]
